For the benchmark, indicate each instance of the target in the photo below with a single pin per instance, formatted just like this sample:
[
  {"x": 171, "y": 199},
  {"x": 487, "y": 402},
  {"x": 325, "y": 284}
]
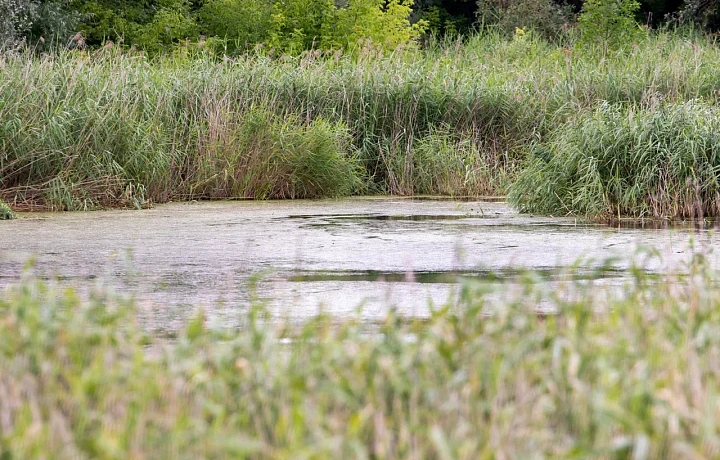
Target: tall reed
[
  {"x": 86, "y": 128},
  {"x": 622, "y": 161}
]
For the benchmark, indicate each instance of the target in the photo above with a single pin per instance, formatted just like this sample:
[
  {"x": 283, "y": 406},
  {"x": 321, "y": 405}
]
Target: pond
[{"x": 299, "y": 256}]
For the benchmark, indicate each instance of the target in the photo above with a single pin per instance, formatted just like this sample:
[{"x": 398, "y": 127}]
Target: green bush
[
  {"x": 610, "y": 24},
  {"x": 385, "y": 24},
  {"x": 548, "y": 18},
  {"x": 153, "y": 25},
  {"x": 40, "y": 24},
  {"x": 240, "y": 24}
]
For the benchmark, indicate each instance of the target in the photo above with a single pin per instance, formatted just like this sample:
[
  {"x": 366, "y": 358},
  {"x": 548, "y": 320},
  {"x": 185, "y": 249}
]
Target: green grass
[
  {"x": 605, "y": 375},
  {"x": 5, "y": 212},
  {"x": 662, "y": 162},
  {"x": 86, "y": 129}
]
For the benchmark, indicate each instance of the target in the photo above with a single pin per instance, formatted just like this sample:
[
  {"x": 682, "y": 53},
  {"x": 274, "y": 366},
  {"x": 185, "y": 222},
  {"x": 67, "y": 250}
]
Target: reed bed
[
  {"x": 85, "y": 129},
  {"x": 658, "y": 163},
  {"x": 602, "y": 373}
]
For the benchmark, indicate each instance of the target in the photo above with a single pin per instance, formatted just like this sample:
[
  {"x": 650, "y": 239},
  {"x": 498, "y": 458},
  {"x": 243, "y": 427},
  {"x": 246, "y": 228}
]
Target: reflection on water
[{"x": 454, "y": 276}]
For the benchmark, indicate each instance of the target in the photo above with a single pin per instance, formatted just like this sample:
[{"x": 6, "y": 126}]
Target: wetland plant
[
  {"x": 601, "y": 373},
  {"x": 5, "y": 212},
  {"x": 659, "y": 162},
  {"x": 85, "y": 129}
]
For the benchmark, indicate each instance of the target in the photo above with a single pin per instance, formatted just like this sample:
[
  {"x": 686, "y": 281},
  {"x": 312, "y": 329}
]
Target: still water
[{"x": 338, "y": 255}]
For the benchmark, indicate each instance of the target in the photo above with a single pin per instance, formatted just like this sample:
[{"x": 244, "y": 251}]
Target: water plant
[
  {"x": 104, "y": 128},
  {"x": 660, "y": 162},
  {"x": 5, "y": 212}
]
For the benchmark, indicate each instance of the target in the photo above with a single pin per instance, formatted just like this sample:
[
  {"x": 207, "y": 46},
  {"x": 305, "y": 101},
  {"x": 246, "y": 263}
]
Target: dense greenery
[
  {"x": 291, "y": 26},
  {"x": 661, "y": 162},
  {"x": 597, "y": 374},
  {"x": 309, "y": 98},
  {"x": 84, "y": 129}
]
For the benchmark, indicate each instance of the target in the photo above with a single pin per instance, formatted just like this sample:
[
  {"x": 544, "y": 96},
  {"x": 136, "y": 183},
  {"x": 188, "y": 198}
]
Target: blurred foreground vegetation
[{"x": 569, "y": 369}]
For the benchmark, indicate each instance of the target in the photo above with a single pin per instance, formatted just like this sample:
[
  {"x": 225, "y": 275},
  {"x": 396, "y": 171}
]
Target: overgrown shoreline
[
  {"x": 604, "y": 374},
  {"x": 88, "y": 129}
]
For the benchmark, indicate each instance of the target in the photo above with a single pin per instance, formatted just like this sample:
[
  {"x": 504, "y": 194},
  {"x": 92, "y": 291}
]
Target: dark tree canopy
[{"x": 154, "y": 25}]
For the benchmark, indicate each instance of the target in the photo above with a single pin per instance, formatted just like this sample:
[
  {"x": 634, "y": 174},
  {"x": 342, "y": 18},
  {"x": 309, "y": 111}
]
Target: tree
[
  {"x": 39, "y": 23},
  {"x": 546, "y": 17},
  {"x": 609, "y": 23}
]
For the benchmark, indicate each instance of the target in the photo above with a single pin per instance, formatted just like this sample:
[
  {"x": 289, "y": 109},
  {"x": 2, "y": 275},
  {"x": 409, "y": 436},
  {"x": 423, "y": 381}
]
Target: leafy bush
[
  {"x": 609, "y": 23},
  {"x": 5, "y": 211},
  {"x": 153, "y": 25},
  {"x": 704, "y": 14},
  {"x": 239, "y": 23},
  {"x": 40, "y": 24},
  {"x": 385, "y": 24}
]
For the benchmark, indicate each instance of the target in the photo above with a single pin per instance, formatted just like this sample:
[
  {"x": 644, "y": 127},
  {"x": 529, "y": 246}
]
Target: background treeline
[{"x": 291, "y": 26}]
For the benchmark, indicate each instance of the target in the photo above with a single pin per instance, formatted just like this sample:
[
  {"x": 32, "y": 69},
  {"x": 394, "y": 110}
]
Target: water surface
[{"x": 334, "y": 254}]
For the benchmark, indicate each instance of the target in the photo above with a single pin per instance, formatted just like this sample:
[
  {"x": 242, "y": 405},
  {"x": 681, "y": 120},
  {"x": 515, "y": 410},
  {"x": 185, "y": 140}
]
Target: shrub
[
  {"x": 240, "y": 23},
  {"x": 5, "y": 212},
  {"x": 385, "y": 24},
  {"x": 610, "y": 23},
  {"x": 153, "y": 25}
]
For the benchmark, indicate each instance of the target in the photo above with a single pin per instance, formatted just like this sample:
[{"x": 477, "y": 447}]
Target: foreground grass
[
  {"x": 604, "y": 375},
  {"x": 87, "y": 129}
]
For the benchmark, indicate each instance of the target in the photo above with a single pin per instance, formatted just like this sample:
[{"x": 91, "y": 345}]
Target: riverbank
[
  {"x": 604, "y": 374},
  {"x": 85, "y": 130}
]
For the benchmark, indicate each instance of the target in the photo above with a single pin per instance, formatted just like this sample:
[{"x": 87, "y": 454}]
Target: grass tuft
[
  {"x": 661, "y": 163},
  {"x": 5, "y": 212}
]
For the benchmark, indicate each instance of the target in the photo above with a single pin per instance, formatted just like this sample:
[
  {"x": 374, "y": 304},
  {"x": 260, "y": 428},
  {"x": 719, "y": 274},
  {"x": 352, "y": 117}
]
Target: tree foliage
[
  {"x": 294, "y": 26},
  {"x": 40, "y": 22},
  {"x": 546, "y": 17},
  {"x": 609, "y": 23}
]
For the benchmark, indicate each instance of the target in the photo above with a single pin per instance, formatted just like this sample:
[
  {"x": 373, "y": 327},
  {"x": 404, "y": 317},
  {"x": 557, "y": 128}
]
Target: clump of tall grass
[
  {"x": 447, "y": 163},
  {"x": 5, "y": 212},
  {"x": 602, "y": 375},
  {"x": 618, "y": 161}
]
